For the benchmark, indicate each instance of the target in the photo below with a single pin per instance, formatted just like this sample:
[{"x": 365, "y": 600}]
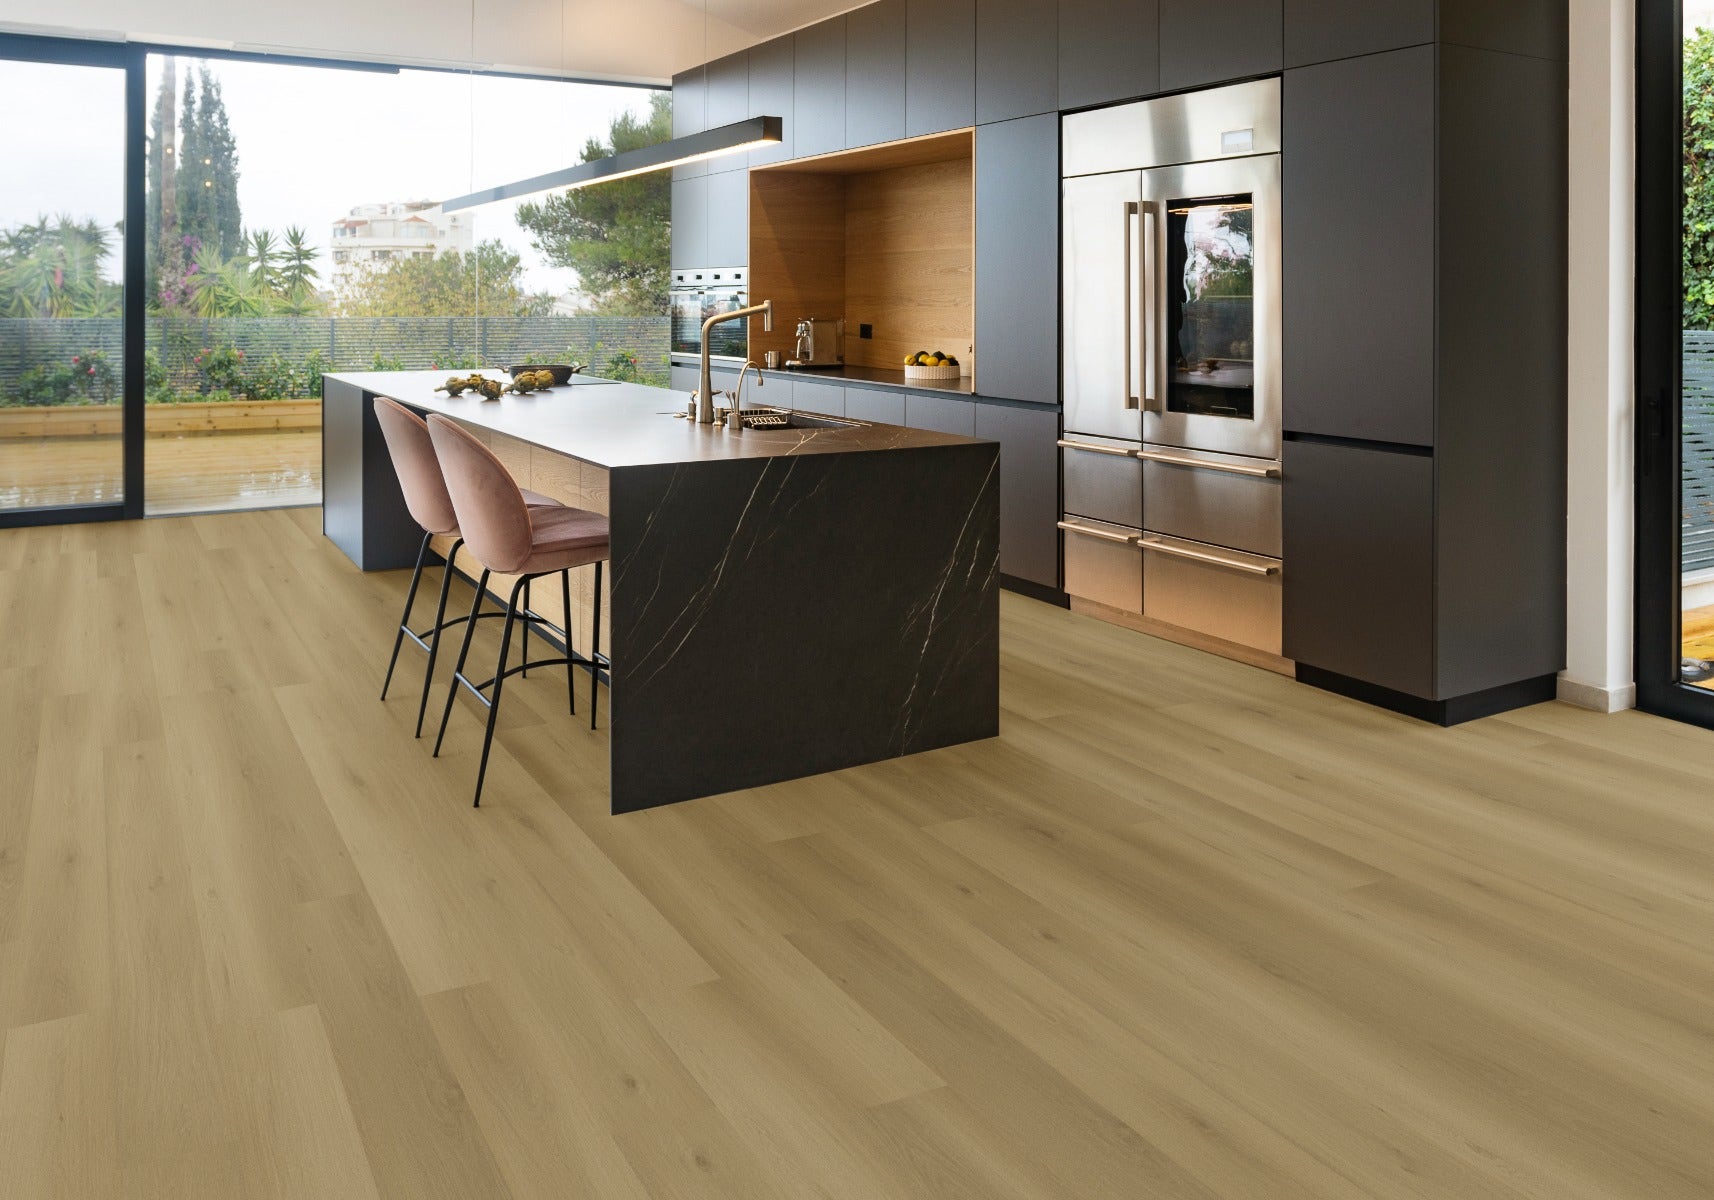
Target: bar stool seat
[{"x": 507, "y": 536}]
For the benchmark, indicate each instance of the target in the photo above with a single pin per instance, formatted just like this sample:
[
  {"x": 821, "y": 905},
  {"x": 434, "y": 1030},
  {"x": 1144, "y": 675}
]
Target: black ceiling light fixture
[
  {"x": 675, "y": 152},
  {"x": 693, "y": 147}
]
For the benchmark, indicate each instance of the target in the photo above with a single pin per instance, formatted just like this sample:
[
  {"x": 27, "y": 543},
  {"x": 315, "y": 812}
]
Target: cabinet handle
[
  {"x": 1112, "y": 451},
  {"x": 1149, "y": 273},
  {"x": 1134, "y": 353},
  {"x": 1271, "y": 471},
  {"x": 1204, "y": 556},
  {"x": 1126, "y": 539}
]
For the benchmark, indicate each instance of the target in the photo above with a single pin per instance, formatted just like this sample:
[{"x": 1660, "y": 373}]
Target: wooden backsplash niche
[{"x": 883, "y": 237}]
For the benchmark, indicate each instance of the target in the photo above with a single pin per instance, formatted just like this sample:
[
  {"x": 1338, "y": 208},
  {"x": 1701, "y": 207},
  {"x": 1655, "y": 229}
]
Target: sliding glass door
[{"x": 63, "y": 242}]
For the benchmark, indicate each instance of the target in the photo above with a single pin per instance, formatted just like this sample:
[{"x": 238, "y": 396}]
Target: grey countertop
[{"x": 616, "y": 425}]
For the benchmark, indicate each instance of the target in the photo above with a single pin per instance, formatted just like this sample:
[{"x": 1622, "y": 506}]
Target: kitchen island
[{"x": 782, "y": 602}]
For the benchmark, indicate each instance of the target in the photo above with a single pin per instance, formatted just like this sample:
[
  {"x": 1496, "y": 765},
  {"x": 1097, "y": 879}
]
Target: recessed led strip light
[{"x": 694, "y": 147}]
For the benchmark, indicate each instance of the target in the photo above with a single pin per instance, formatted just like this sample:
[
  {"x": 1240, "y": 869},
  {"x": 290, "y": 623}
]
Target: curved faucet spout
[{"x": 705, "y": 381}]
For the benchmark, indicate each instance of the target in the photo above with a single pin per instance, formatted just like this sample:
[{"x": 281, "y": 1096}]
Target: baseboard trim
[
  {"x": 1035, "y": 591},
  {"x": 1597, "y": 698},
  {"x": 1454, "y": 711}
]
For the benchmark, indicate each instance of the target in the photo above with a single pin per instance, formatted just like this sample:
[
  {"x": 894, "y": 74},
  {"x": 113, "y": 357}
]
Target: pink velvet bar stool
[
  {"x": 426, "y": 498},
  {"x": 510, "y": 538}
]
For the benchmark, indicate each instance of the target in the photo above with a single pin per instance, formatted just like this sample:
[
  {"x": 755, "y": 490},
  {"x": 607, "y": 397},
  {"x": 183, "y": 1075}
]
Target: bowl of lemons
[{"x": 931, "y": 364}]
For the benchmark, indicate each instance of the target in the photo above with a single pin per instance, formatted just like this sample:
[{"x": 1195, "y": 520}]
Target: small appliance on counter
[{"x": 820, "y": 343}]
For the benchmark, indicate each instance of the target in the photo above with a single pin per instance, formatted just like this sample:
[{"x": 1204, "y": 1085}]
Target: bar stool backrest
[
  {"x": 492, "y": 514},
  {"x": 418, "y": 468}
]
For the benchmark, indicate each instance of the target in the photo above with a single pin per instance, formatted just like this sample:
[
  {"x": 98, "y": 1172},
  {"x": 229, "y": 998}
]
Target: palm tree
[
  {"x": 297, "y": 277},
  {"x": 225, "y": 287},
  {"x": 264, "y": 250},
  {"x": 53, "y": 269}
]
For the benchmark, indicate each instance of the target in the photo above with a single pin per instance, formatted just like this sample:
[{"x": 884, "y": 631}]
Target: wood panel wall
[
  {"x": 884, "y": 237},
  {"x": 797, "y": 253},
  {"x": 910, "y": 250}
]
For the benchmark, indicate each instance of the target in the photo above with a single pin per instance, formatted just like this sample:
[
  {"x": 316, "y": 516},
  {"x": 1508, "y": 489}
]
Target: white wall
[
  {"x": 1598, "y": 652},
  {"x": 620, "y": 40}
]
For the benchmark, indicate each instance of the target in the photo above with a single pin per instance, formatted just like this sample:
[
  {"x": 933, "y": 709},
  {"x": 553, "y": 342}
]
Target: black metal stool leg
[
  {"x": 526, "y": 671},
  {"x": 434, "y": 635},
  {"x": 570, "y": 666},
  {"x": 463, "y": 653},
  {"x": 410, "y": 600},
  {"x": 595, "y": 652},
  {"x": 523, "y": 585}
]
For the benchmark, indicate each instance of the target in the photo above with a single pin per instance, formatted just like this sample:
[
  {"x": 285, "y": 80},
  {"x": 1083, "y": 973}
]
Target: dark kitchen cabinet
[
  {"x": 813, "y": 396},
  {"x": 771, "y": 85},
  {"x": 1536, "y": 28},
  {"x": 690, "y": 113},
  {"x": 728, "y": 220},
  {"x": 940, "y": 65},
  {"x": 728, "y": 100},
  {"x": 1017, "y": 58},
  {"x": 1359, "y": 197},
  {"x": 941, "y": 413},
  {"x": 1108, "y": 50},
  {"x": 875, "y": 73},
  {"x": 1319, "y": 31},
  {"x": 1029, "y": 488},
  {"x": 1359, "y": 564},
  {"x": 1017, "y": 259},
  {"x": 1203, "y": 43},
  {"x": 875, "y": 404},
  {"x": 690, "y": 245},
  {"x": 818, "y": 88}
]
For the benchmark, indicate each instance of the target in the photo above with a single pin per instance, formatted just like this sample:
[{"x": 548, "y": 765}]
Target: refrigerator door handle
[
  {"x": 1148, "y": 287},
  {"x": 1135, "y": 355}
]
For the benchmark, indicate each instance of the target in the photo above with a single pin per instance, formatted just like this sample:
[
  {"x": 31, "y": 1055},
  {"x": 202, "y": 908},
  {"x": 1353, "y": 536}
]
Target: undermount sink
[{"x": 778, "y": 418}]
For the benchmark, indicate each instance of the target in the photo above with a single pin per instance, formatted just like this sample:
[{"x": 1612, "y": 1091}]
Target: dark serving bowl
[{"x": 562, "y": 373}]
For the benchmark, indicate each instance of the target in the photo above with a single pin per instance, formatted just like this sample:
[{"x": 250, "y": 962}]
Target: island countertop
[{"x": 616, "y": 425}]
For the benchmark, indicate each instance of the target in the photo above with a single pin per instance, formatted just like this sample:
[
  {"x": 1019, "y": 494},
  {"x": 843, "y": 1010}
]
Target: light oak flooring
[
  {"x": 1185, "y": 930},
  {"x": 183, "y": 472}
]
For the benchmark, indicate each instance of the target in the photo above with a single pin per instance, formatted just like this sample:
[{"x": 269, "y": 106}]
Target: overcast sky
[{"x": 312, "y": 143}]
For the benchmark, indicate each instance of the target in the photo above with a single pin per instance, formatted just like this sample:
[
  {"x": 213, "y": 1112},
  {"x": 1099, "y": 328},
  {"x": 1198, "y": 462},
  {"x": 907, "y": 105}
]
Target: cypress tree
[
  {"x": 195, "y": 182},
  {"x": 222, "y": 153}
]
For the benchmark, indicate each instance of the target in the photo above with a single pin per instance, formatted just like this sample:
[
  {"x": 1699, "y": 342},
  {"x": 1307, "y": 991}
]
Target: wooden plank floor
[{"x": 1185, "y": 930}]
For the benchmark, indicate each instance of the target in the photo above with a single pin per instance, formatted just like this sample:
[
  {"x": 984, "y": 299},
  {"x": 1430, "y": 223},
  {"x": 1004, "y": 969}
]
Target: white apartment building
[{"x": 376, "y": 233}]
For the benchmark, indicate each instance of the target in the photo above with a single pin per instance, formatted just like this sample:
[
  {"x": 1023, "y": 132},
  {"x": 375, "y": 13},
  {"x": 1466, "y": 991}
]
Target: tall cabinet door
[
  {"x": 1017, "y": 225},
  {"x": 1101, "y": 305}
]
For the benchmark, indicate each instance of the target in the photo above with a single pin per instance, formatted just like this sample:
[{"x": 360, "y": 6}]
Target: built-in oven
[{"x": 697, "y": 295}]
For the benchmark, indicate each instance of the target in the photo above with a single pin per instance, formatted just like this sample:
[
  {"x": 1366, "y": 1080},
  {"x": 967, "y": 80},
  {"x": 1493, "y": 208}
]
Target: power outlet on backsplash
[{"x": 865, "y": 331}]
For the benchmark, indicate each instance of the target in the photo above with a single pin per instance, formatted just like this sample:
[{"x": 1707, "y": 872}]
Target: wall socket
[{"x": 865, "y": 331}]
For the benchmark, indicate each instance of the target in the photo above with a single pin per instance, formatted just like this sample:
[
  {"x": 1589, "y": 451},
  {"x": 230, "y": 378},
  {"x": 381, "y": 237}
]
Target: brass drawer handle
[
  {"x": 1204, "y": 556},
  {"x": 1105, "y": 535},
  {"x": 1112, "y": 451},
  {"x": 1271, "y": 471}
]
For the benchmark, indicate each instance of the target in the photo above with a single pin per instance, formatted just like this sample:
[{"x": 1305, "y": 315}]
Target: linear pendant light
[{"x": 693, "y": 147}]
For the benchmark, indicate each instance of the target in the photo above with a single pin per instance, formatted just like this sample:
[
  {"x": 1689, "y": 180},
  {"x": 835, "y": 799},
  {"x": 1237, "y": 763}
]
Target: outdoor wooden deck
[{"x": 184, "y": 473}]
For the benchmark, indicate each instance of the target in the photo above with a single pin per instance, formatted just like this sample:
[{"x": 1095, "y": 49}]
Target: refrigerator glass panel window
[{"x": 1211, "y": 310}]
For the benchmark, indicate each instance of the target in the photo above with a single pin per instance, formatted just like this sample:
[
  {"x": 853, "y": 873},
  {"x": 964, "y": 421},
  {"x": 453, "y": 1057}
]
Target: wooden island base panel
[{"x": 782, "y": 603}]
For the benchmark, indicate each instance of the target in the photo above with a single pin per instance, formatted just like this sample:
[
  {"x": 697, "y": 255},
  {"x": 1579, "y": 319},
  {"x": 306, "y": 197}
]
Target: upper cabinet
[
  {"x": 1323, "y": 30},
  {"x": 728, "y": 91},
  {"x": 1017, "y": 259},
  {"x": 1108, "y": 50},
  {"x": 940, "y": 65},
  {"x": 772, "y": 81},
  {"x": 690, "y": 245},
  {"x": 1359, "y": 194},
  {"x": 1017, "y": 58},
  {"x": 1203, "y": 43},
  {"x": 875, "y": 73},
  {"x": 818, "y": 89},
  {"x": 690, "y": 113}
]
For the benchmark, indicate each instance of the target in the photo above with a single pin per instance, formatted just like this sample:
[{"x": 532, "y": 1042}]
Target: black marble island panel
[{"x": 784, "y": 602}]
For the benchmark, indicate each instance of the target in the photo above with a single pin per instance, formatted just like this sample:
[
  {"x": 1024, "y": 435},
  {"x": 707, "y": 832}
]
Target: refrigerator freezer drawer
[
  {"x": 1103, "y": 563},
  {"x": 1217, "y": 498},
  {"x": 1103, "y": 480},
  {"x": 1223, "y": 593}
]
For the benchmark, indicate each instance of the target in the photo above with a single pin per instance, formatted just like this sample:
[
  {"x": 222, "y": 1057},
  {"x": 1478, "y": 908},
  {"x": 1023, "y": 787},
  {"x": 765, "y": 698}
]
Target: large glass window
[
  {"x": 62, "y": 244},
  {"x": 257, "y": 170}
]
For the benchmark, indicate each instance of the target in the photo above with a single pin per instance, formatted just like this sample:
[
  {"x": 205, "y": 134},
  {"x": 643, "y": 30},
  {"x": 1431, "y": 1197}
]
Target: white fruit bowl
[{"x": 946, "y": 372}]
